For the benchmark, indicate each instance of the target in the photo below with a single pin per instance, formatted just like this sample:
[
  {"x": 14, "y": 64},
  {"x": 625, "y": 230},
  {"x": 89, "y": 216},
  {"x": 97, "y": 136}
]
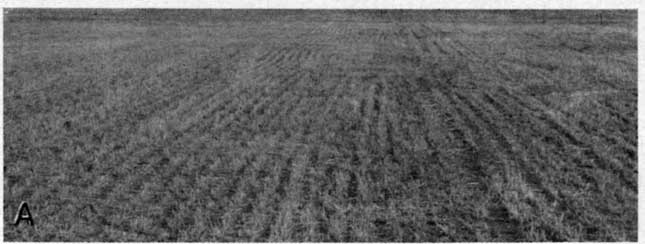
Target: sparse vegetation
[{"x": 274, "y": 125}]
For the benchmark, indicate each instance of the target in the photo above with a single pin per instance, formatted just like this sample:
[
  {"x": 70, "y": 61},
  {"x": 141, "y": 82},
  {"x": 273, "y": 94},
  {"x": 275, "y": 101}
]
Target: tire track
[
  {"x": 589, "y": 151},
  {"x": 581, "y": 172}
]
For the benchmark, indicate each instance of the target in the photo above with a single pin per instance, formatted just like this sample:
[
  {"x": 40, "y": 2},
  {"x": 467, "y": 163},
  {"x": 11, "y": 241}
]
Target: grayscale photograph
[{"x": 320, "y": 125}]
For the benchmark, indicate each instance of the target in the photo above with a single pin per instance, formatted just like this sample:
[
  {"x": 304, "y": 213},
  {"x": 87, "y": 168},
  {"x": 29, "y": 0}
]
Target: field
[{"x": 274, "y": 125}]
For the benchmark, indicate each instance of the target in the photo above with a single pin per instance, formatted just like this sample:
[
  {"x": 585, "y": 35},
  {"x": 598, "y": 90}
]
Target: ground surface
[{"x": 341, "y": 127}]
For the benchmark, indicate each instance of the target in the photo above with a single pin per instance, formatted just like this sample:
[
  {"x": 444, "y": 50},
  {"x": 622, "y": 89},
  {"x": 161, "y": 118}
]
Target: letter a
[{"x": 23, "y": 214}]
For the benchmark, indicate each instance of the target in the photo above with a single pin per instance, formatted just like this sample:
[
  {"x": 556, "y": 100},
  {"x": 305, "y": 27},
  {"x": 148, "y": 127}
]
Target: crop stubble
[{"x": 336, "y": 131}]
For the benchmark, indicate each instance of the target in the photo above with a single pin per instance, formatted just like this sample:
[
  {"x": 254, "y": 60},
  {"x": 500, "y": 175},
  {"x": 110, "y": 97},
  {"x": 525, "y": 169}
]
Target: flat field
[{"x": 273, "y": 125}]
